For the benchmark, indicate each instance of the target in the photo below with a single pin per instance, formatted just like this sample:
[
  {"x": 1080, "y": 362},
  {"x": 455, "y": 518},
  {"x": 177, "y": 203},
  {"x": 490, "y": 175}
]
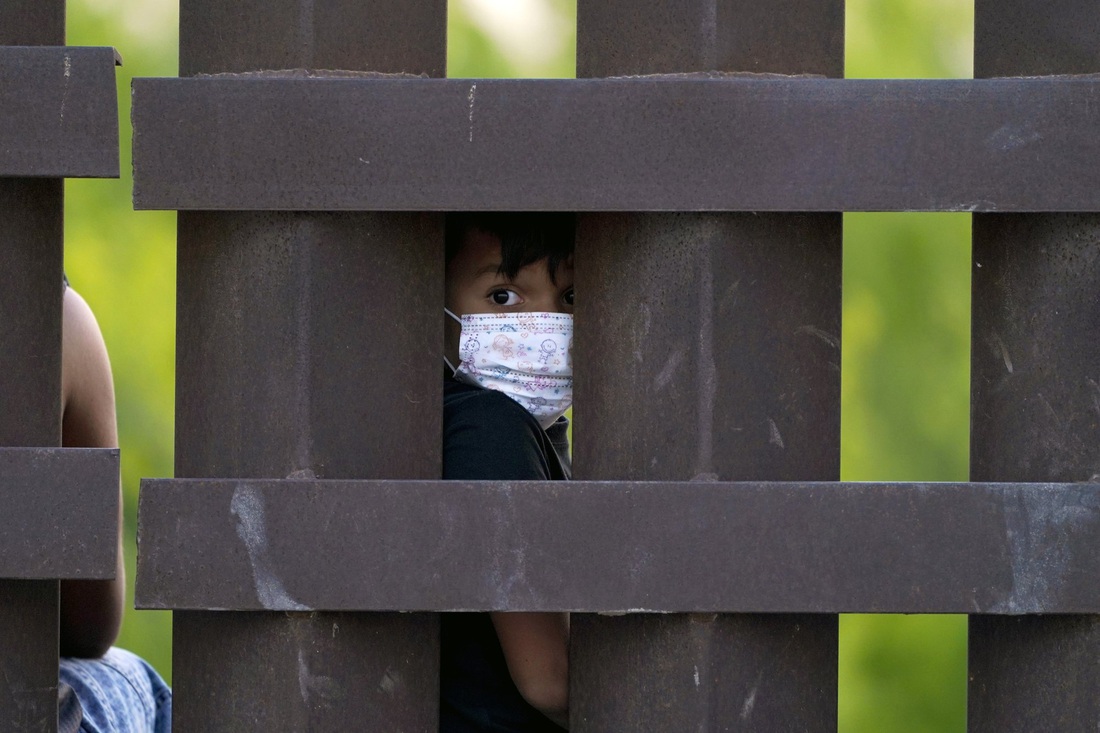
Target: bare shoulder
[
  {"x": 91, "y": 610},
  {"x": 87, "y": 388}
]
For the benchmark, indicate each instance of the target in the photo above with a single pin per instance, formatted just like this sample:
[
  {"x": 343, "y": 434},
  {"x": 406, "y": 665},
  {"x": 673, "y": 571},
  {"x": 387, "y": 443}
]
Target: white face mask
[{"x": 527, "y": 356}]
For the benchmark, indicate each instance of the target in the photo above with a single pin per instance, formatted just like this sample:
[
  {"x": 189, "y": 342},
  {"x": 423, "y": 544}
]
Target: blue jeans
[{"x": 118, "y": 693}]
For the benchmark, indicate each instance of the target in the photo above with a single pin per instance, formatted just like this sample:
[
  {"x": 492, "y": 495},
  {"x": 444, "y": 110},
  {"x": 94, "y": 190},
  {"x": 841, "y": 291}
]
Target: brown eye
[
  {"x": 567, "y": 297},
  {"x": 504, "y": 297}
]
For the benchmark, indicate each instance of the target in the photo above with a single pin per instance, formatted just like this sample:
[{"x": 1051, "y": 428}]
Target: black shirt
[{"x": 489, "y": 436}]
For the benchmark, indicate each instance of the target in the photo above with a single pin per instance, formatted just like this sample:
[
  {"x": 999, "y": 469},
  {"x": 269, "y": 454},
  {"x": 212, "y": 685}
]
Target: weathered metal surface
[
  {"x": 718, "y": 337},
  {"x": 677, "y": 36},
  {"x": 611, "y": 670},
  {"x": 58, "y": 113},
  {"x": 1036, "y": 355},
  {"x": 1031, "y": 673},
  {"x": 618, "y": 546},
  {"x": 60, "y": 517},
  {"x": 1035, "y": 377},
  {"x": 1035, "y": 414},
  {"x": 748, "y": 144},
  {"x": 1036, "y": 38},
  {"x": 382, "y": 35},
  {"x": 643, "y": 337},
  {"x": 308, "y": 345},
  {"x": 305, "y": 671},
  {"x": 32, "y": 23},
  {"x": 28, "y": 688},
  {"x": 31, "y": 233}
]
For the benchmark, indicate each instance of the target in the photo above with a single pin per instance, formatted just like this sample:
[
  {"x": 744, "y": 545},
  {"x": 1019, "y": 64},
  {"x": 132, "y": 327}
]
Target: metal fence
[
  {"x": 707, "y": 545},
  {"x": 59, "y": 517}
]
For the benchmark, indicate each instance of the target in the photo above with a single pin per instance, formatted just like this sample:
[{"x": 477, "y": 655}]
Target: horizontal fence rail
[
  {"x": 687, "y": 143},
  {"x": 619, "y": 546},
  {"x": 58, "y": 112},
  {"x": 60, "y": 513}
]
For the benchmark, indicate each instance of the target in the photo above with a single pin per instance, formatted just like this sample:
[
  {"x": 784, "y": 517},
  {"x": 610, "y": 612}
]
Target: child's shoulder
[
  {"x": 471, "y": 404},
  {"x": 489, "y": 436}
]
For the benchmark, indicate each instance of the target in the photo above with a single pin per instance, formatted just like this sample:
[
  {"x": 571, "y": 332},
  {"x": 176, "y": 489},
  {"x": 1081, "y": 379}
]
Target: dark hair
[{"x": 524, "y": 237}]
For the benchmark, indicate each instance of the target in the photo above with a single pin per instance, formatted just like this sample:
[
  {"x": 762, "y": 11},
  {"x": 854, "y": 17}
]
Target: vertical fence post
[
  {"x": 32, "y": 239},
  {"x": 707, "y": 349},
  {"x": 1035, "y": 384},
  {"x": 308, "y": 347},
  {"x": 30, "y": 391}
]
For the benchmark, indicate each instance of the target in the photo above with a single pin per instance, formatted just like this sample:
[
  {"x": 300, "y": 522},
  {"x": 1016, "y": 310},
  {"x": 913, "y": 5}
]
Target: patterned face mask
[{"x": 527, "y": 356}]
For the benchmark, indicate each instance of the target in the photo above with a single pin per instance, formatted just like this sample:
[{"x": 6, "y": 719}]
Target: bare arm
[
  {"x": 91, "y": 610},
  {"x": 536, "y": 648},
  {"x": 491, "y": 437}
]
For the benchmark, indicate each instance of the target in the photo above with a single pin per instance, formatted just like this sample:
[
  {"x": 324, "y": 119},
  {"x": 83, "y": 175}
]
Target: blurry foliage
[
  {"x": 123, "y": 263},
  {"x": 906, "y": 312},
  {"x": 905, "y": 377}
]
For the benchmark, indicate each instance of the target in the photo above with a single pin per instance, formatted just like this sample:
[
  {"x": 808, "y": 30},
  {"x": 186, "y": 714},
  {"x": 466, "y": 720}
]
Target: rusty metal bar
[
  {"x": 303, "y": 654},
  {"x": 733, "y": 143},
  {"x": 315, "y": 299},
  {"x": 32, "y": 233},
  {"x": 29, "y": 613},
  {"x": 32, "y": 23},
  {"x": 618, "y": 546},
  {"x": 734, "y": 35},
  {"x": 1034, "y": 38},
  {"x": 1035, "y": 392},
  {"x": 725, "y": 386},
  {"x": 1036, "y": 353},
  {"x": 663, "y": 389},
  {"x": 1034, "y": 374},
  {"x": 307, "y": 346},
  {"x": 1049, "y": 692},
  {"x": 58, "y": 113},
  {"x": 60, "y": 517},
  {"x": 295, "y": 315},
  {"x": 392, "y": 36},
  {"x": 30, "y": 286},
  {"x": 786, "y": 661}
]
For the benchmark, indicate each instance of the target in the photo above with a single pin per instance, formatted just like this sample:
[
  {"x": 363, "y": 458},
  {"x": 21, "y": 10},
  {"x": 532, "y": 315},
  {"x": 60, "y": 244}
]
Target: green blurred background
[{"x": 906, "y": 340}]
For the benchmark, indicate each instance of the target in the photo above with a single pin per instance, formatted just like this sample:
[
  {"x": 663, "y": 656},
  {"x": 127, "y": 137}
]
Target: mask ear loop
[{"x": 454, "y": 369}]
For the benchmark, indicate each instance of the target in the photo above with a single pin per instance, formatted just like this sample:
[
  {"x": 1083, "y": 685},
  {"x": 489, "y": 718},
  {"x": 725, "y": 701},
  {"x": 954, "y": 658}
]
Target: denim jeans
[{"x": 117, "y": 693}]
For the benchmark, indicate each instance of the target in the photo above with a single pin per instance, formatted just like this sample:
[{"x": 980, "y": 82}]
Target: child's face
[{"x": 475, "y": 286}]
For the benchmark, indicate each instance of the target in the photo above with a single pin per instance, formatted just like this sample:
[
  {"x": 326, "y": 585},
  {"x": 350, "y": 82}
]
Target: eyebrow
[{"x": 493, "y": 268}]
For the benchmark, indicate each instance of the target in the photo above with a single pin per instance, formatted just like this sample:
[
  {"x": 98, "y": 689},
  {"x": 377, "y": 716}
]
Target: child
[
  {"x": 101, "y": 688},
  {"x": 509, "y": 305}
]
